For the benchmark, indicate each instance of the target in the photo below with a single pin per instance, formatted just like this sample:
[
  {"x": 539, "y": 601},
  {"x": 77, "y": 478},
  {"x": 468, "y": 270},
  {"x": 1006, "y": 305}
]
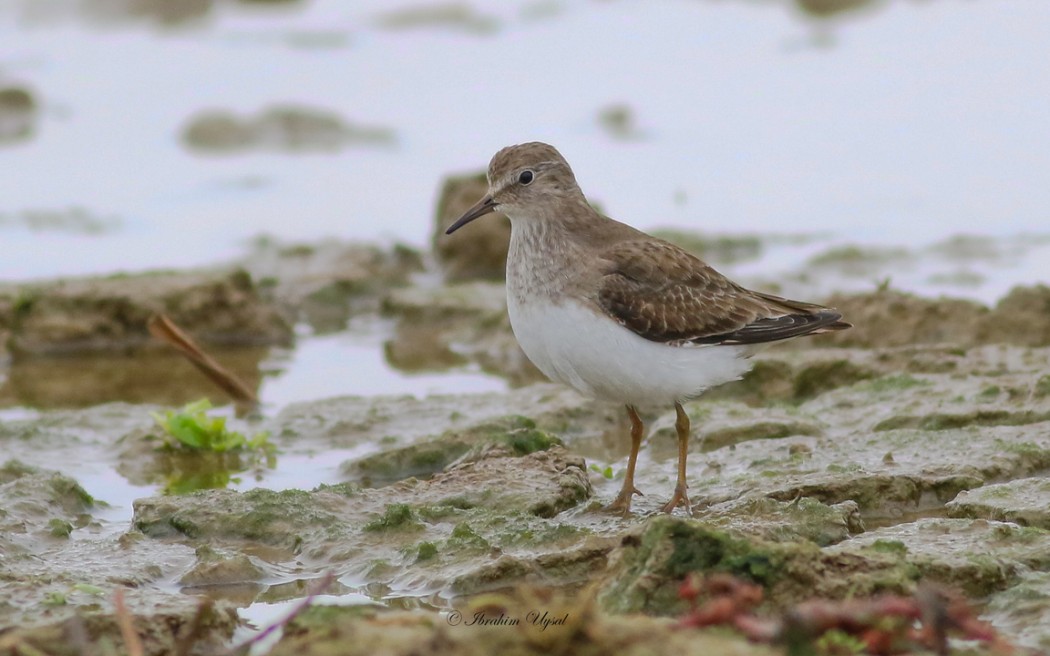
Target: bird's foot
[
  {"x": 622, "y": 503},
  {"x": 680, "y": 498}
]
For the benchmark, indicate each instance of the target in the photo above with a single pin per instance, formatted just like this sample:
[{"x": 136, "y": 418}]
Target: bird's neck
[{"x": 545, "y": 252}]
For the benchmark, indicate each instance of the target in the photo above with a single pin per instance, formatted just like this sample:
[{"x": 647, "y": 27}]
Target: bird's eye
[{"x": 525, "y": 177}]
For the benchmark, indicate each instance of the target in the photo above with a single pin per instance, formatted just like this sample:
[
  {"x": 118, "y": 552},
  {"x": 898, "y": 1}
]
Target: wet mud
[
  {"x": 850, "y": 465},
  {"x": 829, "y": 470}
]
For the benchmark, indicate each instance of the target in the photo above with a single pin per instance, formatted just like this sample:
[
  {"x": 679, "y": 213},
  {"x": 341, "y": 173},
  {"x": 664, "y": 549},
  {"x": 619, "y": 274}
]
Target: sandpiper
[{"x": 618, "y": 314}]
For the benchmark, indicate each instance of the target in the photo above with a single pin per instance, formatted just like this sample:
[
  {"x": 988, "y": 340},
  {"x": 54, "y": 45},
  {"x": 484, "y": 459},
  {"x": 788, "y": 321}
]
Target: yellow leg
[
  {"x": 680, "y": 498},
  {"x": 622, "y": 502}
]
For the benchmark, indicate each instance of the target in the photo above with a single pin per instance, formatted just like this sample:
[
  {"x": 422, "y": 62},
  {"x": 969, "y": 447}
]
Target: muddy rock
[
  {"x": 480, "y": 251},
  {"x": 19, "y": 114},
  {"x": 37, "y": 506},
  {"x": 893, "y": 319},
  {"x": 218, "y": 568},
  {"x": 823, "y": 9},
  {"x": 110, "y": 314},
  {"x": 395, "y": 422},
  {"x": 1021, "y": 317},
  {"x": 783, "y": 377},
  {"x": 6, "y": 315},
  {"x": 1023, "y": 611},
  {"x": 73, "y": 220},
  {"x": 655, "y": 558},
  {"x": 857, "y": 261},
  {"x": 619, "y": 122},
  {"x": 977, "y": 556},
  {"x": 168, "y": 13},
  {"x": 416, "y": 533},
  {"x": 1025, "y": 501},
  {"x": 326, "y": 283},
  {"x": 161, "y": 632},
  {"x": 888, "y": 443},
  {"x": 63, "y": 561},
  {"x": 800, "y": 520},
  {"x": 725, "y": 424},
  {"x": 449, "y": 15},
  {"x": 421, "y": 459},
  {"x": 281, "y": 129}
]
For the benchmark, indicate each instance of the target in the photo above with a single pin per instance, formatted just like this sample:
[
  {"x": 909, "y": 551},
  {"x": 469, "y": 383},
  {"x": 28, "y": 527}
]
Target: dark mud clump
[
  {"x": 280, "y": 129},
  {"x": 452, "y": 15},
  {"x": 891, "y": 318},
  {"x": 19, "y": 112},
  {"x": 484, "y": 255}
]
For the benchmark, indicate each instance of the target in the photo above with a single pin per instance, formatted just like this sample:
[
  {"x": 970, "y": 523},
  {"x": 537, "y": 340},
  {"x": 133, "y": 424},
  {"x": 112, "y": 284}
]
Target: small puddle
[
  {"x": 262, "y": 614},
  {"x": 353, "y": 363}
]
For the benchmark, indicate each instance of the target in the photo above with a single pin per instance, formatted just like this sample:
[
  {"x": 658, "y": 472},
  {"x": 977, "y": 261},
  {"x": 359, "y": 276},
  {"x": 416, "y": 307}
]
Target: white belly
[{"x": 599, "y": 357}]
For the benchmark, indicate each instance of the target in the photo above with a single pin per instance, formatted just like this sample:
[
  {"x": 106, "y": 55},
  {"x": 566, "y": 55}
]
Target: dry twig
[{"x": 164, "y": 329}]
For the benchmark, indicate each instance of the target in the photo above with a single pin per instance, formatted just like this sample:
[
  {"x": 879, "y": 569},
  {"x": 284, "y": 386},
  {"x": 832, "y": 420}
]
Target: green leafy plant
[
  {"x": 202, "y": 453},
  {"x": 607, "y": 472},
  {"x": 192, "y": 428}
]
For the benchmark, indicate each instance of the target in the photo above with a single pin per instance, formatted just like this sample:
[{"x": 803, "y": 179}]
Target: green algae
[
  {"x": 989, "y": 393},
  {"x": 465, "y": 538},
  {"x": 423, "y": 459},
  {"x": 1024, "y": 501},
  {"x": 768, "y": 380},
  {"x": 768, "y": 430},
  {"x": 943, "y": 421},
  {"x": 1042, "y": 387},
  {"x": 821, "y": 377},
  {"x": 803, "y": 519},
  {"x": 397, "y": 516},
  {"x": 62, "y": 492},
  {"x": 15, "y": 469},
  {"x": 264, "y": 516},
  {"x": 895, "y": 383},
  {"x": 890, "y": 546},
  {"x": 426, "y": 551},
  {"x": 59, "y": 528},
  {"x": 656, "y": 561},
  {"x": 772, "y": 380}
]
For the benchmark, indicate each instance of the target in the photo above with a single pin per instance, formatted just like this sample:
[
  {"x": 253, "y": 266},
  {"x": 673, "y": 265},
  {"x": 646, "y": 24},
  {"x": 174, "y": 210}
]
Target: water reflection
[{"x": 163, "y": 378}]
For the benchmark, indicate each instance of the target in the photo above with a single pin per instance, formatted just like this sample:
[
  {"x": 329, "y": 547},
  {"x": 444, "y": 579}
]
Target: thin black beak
[{"x": 481, "y": 208}]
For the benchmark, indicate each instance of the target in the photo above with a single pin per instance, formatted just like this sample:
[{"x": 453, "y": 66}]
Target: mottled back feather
[{"x": 665, "y": 294}]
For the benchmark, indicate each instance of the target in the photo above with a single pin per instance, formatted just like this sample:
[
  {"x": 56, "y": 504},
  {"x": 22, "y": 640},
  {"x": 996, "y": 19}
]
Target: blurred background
[{"x": 139, "y": 134}]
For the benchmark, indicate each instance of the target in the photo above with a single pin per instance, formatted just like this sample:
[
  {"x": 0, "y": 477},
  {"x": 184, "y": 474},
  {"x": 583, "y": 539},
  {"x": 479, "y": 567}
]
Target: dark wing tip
[{"x": 772, "y": 329}]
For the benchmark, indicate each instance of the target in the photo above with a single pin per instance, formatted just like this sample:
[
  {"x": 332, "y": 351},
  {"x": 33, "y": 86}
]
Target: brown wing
[{"x": 664, "y": 294}]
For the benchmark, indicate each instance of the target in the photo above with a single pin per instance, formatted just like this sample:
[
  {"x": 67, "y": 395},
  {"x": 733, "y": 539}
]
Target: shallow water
[
  {"x": 900, "y": 125},
  {"x": 353, "y": 363}
]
